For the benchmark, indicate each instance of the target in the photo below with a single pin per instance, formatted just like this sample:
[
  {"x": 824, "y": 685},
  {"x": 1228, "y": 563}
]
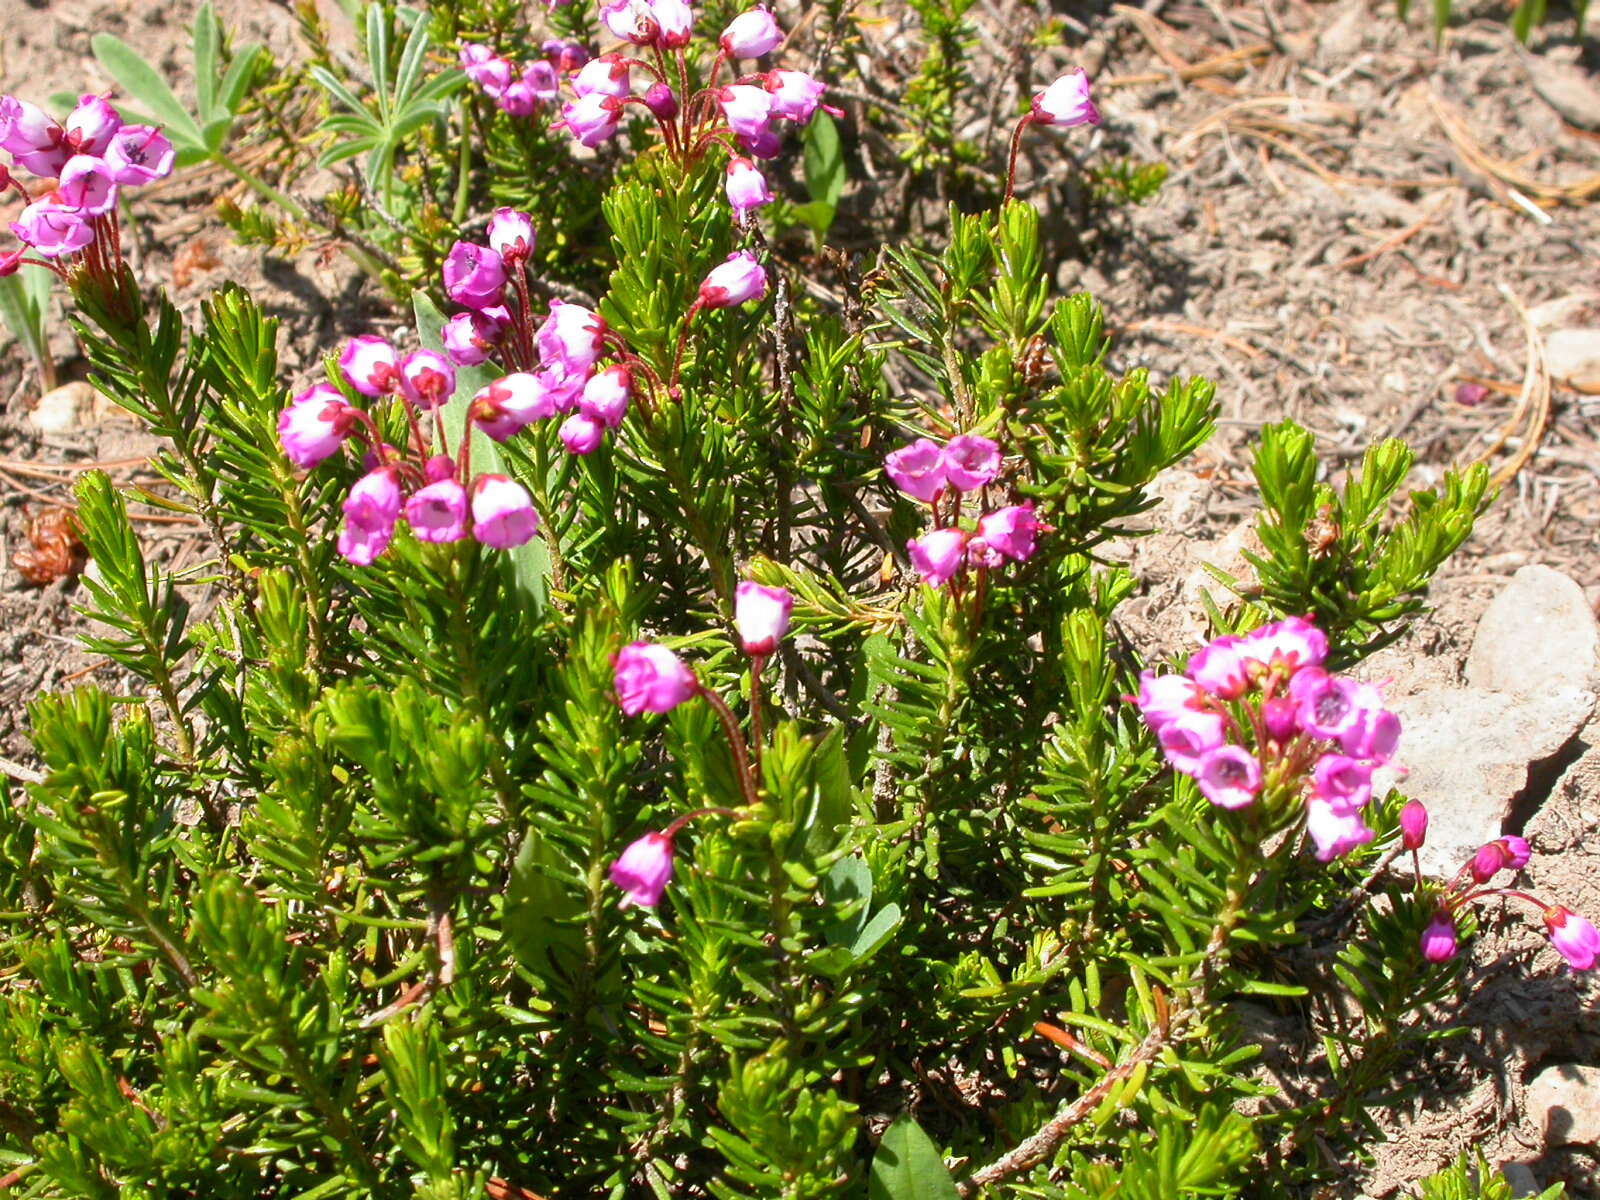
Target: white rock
[
  {"x": 1573, "y": 357},
  {"x": 1466, "y": 752},
  {"x": 1538, "y": 633},
  {"x": 1565, "y": 1102},
  {"x": 68, "y": 407}
]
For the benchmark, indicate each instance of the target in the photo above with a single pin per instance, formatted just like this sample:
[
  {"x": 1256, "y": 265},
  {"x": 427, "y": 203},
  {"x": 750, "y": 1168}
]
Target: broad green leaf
[
  {"x": 207, "y": 49},
  {"x": 824, "y": 160},
  {"x": 140, "y": 80},
  {"x": 907, "y": 1166}
]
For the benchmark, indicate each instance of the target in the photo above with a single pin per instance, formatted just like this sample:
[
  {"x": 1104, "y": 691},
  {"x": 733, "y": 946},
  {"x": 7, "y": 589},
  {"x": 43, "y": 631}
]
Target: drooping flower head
[
  {"x": 1573, "y": 936},
  {"x": 511, "y": 234},
  {"x": 650, "y": 678},
  {"x": 1439, "y": 938},
  {"x": 746, "y": 188},
  {"x": 315, "y": 425},
  {"x": 938, "y": 554},
  {"x": 918, "y": 470},
  {"x": 751, "y": 34},
  {"x": 474, "y": 275},
  {"x": 1011, "y": 531},
  {"x": 605, "y": 396},
  {"x": 508, "y": 404},
  {"x": 761, "y": 616},
  {"x": 438, "y": 512},
  {"x": 139, "y": 154},
  {"x": 1066, "y": 102},
  {"x": 502, "y": 512},
  {"x": 1229, "y": 776},
  {"x": 370, "y": 512},
  {"x": 643, "y": 870},
  {"x": 737, "y": 281},
  {"x": 427, "y": 379},
  {"x": 370, "y": 365},
  {"x": 970, "y": 461}
]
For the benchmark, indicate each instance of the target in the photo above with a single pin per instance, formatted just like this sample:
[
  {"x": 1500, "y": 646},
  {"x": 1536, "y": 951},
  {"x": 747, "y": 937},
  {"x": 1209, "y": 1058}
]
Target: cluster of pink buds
[
  {"x": 1064, "y": 104},
  {"x": 434, "y": 490},
  {"x": 555, "y": 365},
  {"x": 91, "y": 156},
  {"x": 521, "y": 91},
  {"x": 1574, "y": 937},
  {"x": 1258, "y": 717},
  {"x": 746, "y": 115},
  {"x": 649, "y": 678},
  {"x": 927, "y": 471}
]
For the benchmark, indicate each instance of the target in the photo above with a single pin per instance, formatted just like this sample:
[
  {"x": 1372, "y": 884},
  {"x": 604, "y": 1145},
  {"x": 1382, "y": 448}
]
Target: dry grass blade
[
  {"x": 1532, "y": 414},
  {"x": 1401, "y": 238},
  {"x": 1506, "y": 179},
  {"x": 1244, "y": 116}
]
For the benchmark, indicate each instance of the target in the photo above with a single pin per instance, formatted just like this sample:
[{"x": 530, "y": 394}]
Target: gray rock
[
  {"x": 1539, "y": 633},
  {"x": 1466, "y": 752},
  {"x": 1565, "y": 1102},
  {"x": 1521, "y": 1178}
]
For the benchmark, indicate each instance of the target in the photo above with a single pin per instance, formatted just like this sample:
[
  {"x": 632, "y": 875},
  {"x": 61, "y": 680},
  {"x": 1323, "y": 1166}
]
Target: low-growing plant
[{"x": 681, "y": 745}]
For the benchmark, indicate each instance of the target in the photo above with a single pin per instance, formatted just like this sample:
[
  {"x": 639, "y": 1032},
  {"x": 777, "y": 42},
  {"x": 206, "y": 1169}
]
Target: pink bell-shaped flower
[
  {"x": 370, "y": 512},
  {"x": 502, "y": 512},
  {"x": 737, "y": 281},
  {"x": 650, "y": 678},
  {"x": 643, "y": 870},
  {"x": 751, "y": 34},
  {"x": 315, "y": 425},
  {"x": 761, "y": 616},
  {"x": 438, "y": 512},
  {"x": 1066, "y": 102}
]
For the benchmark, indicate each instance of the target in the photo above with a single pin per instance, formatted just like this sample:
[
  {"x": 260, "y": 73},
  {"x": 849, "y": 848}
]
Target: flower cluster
[
  {"x": 1258, "y": 714},
  {"x": 747, "y": 115},
  {"x": 520, "y": 91},
  {"x": 92, "y": 155},
  {"x": 927, "y": 471},
  {"x": 555, "y": 366},
  {"x": 1574, "y": 937},
  {"x": 649, "y": 678}
]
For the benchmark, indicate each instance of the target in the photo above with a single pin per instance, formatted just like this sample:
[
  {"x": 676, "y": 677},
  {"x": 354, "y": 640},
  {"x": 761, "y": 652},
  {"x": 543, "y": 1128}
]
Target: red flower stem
[
  {"x": 1011, "y": 163},
  {"x": 736, "y": 743},
  {"x": 1508, "y": 893},
  {"x": 672, "y": 830},
  {"x": 757, "y": 661},
  {"x": 677, "y": 355},
  {"x": 647, "y": 65}
]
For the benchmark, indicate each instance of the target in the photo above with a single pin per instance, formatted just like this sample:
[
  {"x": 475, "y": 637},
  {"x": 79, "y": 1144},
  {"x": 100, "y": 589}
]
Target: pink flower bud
[
  {"x": 937, "y": 554},
  {"x": 746, "y": 188},
  {"x": 502, "y": 513},
  {"x": 761, "y": 615},
  {"x": 581, "y": 434},
  {"x": 605, "y": 396},
  {"x": 1066, "y": 102},
  {"x": 747, "y": 109},
  {"x": 1229, "y": 777},
  {"x": 970, "y": 461},
  {"x": 487, "y": 69},
  {"x": 440, "y": 466},
  {"x": 370, "y": 365},
  {"x": 918, "y": 470},
  {"x": 427, "y": 379},
  {"x": 1413, "y": 824},
  {"x": 503, "y": 407},
  {"x": 643, "y": 870},
  {"x": 469, "y": 338},
  {"x": 52, "y": 227},
  {"x": 760, "y": 143},
  {"x": 26, "y": 128},
  {"x": 370, "y": 511},
  {"x": 139, "y": 154},
  {"x": 87, "y": 186},
  {"x": 1278, "y": 715},
  {"x": 571, "y": 333},
  {"x": 90, "y": 126},
  {"x": 566, "y": 56},
  {"x": 11, "y": 260},
  {"x": 662, "y": 102},
  {"x": 1487, "y": 862},
  {"x": 1517, "y": 852},
  {"x": 603, "y": 76},
  {"x": 737, "y": 281},
  {"x": 795, "y": 95},
  {"x": 1220, "y": 668},
  {"x": 1011, "y": 531},
  {"x": 1189, "y": 737},
  {"x": 1439, "y": 938},
  {"x": 1341, "y": 781},
  {"x": 751, "y": 34},
  {"x": 650, "y": 678},
  {"x": 1335, "y": 830},
  {"x": 1577, "y": 940},
  {"x": 315, "y": 425},
  {"x": 518, "y": 100},
  {"x": 474, "y": 276},
  {"x": 438, "y": 512},
  {"x": 511, "y": 234}
]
